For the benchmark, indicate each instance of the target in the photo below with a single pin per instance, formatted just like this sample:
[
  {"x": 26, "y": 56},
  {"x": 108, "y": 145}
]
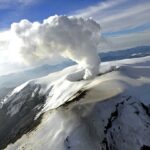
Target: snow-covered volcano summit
[{"x": 61, "y": 111}]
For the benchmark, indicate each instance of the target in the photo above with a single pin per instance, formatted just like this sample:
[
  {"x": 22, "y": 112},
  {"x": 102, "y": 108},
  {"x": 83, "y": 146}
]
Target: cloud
[
  {"x": 71, "y": 37},
  {"x": 5, "y": 4},
  {"x": 125, "y": 41},
  {"x": 118, "y": 15},
  {"x": 133, "y": 17},
  {"x": 101, "y": 6}
]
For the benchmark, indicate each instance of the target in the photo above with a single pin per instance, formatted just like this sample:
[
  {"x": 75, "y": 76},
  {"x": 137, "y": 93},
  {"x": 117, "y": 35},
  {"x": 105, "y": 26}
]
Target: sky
[{"x": 124, "y": 23}]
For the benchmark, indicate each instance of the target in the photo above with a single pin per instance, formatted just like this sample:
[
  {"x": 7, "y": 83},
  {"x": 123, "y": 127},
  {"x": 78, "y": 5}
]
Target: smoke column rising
[{"x": 70, "y": 37}]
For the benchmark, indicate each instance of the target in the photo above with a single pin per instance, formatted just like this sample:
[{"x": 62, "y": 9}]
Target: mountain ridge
[{"x": 80, "y": 114}]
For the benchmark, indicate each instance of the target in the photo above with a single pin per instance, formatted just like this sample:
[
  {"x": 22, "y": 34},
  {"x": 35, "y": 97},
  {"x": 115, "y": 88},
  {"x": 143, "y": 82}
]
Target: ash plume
[{"x": 70, "y": 37}]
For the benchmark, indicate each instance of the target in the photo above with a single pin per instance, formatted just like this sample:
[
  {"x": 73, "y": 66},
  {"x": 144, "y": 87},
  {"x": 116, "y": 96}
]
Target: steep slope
[
  {"x": 61, "y": 111},
  {"x": 118, "y": 123}
]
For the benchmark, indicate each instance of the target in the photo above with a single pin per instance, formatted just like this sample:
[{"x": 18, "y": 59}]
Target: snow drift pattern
[{"x": 70, "y": 37}]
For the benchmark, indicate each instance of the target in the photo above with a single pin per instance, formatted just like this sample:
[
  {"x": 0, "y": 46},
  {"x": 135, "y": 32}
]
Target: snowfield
[{"x": 62, "y": 111}]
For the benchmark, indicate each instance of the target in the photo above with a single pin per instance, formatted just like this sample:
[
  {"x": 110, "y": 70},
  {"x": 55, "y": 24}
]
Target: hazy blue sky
[
  {"x": 127, "y": 15},
  {"x": 15, "y": 10},
  {"x": 125, "y": 23}
]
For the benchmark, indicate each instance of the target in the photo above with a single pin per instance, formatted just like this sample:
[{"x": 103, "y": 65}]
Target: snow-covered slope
[{"x": 61, "y": 111}]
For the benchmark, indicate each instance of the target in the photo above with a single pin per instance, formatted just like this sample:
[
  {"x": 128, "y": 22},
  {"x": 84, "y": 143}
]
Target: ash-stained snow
[
  {"x": 107, "y": 112},
  {"x": 120, "y": 122}
]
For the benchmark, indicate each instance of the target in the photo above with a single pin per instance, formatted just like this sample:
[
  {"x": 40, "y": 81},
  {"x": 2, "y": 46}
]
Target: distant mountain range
[
  {"x": 126, "y": 53},
  {"x": 14, "y": 79}
]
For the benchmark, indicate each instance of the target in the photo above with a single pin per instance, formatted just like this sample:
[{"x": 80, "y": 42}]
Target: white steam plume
[{"x": 71, "y": 37}]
